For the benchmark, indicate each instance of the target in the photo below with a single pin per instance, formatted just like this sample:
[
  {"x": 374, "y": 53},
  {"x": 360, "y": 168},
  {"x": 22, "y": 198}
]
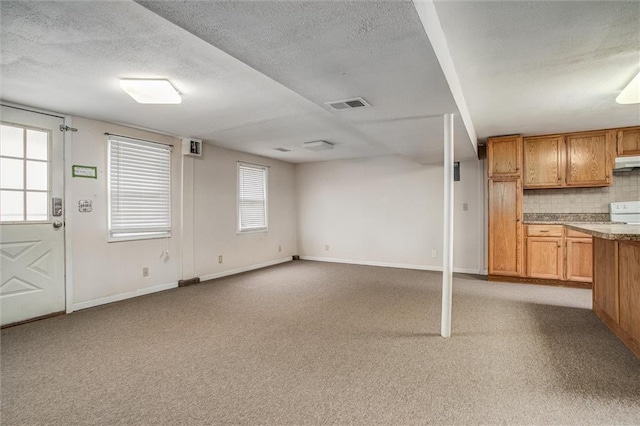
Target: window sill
[
  {"x": 253, "y": 231},
  {"x": 137, "y": 238}
]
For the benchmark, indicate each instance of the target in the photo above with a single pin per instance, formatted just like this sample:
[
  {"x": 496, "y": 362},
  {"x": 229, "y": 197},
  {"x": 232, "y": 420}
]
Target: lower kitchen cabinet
[
  {"x": 616, "y": 288},
  {"x": 629, "y": 288},
  {"x": 579, "y": 259},
  {"x": 544, "y": 257},
  {"x": 544, "y": 251},
  {"x": 556, "y": 253}
]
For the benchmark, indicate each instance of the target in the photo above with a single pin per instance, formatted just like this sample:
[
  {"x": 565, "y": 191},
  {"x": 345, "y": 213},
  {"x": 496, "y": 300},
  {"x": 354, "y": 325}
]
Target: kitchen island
[{"x": 616, "y": 278}]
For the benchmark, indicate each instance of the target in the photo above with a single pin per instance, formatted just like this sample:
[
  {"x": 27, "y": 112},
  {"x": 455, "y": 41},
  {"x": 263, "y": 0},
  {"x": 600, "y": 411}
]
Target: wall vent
[
  {"x": 348, "y": 104},
  {"x": 282, "y": 149}
]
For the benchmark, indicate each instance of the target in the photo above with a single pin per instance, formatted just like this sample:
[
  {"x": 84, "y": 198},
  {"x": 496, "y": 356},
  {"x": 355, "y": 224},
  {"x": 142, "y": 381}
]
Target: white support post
[{"x": 447, "y": 237}]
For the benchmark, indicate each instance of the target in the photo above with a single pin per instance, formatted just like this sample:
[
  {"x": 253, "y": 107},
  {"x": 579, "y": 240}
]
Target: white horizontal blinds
[
  {"x": 139, "y": 189},
  {"x": 252, "y": 197}
]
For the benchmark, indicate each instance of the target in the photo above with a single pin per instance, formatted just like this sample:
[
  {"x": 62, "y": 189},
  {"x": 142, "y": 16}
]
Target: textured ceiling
[
  {"x": 254, "y": 75},
  {"x": 329, "y": 51},
  {"x": 544, "y": 66}
]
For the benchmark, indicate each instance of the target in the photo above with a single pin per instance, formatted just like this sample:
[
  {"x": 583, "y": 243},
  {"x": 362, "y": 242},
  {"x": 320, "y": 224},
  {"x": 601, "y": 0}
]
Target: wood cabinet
[
  {"x": 505, "y": 227},
  {"x": 504, "y": 162},
  {"x": 504, "y": 156},
  {"x": 543, "y": 161},
  {"x": 629, "y": 288},
  {"x": 589, "y": 158},
  {"x": 544, "y": 257},
  {"x": 616, "y": 288},
  {"x": 579, "y": 259},
  {"x": 544, "y": 251},
  {"x": 577, "y": 160},
  {"x": 605, "y": 277},
  {"x": 556, "y": 253},
  {"x": 628, "y": 141}
]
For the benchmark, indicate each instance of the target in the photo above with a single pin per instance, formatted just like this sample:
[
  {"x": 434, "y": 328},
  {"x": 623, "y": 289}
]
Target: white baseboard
[
  {"x": 123, "y": 296},
  {"x": 389, "y": 265},
  {"x": 162, "y": 287},
  {"x": 244, "y": 269}
]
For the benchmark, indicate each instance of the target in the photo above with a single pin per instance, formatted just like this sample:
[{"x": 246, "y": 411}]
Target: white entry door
[{"x": 31, "y": 232}]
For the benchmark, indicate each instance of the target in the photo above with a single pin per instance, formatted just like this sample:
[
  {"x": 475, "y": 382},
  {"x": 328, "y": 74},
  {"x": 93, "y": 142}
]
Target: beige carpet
[{"x": 310, "y": 343}]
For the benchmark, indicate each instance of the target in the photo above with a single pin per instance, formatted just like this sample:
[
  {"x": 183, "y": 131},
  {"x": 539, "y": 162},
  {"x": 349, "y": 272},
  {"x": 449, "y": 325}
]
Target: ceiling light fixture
[
  {"x": 151, "y": 91},
  {"x": 631, "y": 93},
  {"x": 318, "y": 145}
]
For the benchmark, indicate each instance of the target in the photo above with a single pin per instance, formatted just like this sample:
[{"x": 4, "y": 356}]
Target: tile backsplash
[{"x": 626, "y": 187}]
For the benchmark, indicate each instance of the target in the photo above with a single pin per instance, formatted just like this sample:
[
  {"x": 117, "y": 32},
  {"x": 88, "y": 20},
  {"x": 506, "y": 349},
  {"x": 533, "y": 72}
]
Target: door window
[{"x": 24, "y": 174}]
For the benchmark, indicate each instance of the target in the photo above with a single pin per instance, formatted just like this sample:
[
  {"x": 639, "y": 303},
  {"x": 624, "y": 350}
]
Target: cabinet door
[
  {"x": 544, "y": 257},
  {"x": 505, "y": 227},
  {"x": 543, "y": 162},
  {"x": 630, "y": 288},
  {"x": 629, "y": 141},
  {"x": 605, "y": 277},
  {"x": 589, "y": 158},
  {"x": 504, "y": 156},
  {"x": 579, "y": 259}
]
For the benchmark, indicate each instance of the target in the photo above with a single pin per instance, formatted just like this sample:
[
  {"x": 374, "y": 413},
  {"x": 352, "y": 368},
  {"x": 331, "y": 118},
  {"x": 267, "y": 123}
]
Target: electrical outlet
[
  {"x": 326, "y": 247},
  {"x": 220, "y": 259},
  {"x": 465, "y": 207},
  {"x": 279, "y": 248},
  {"x": 145, "y": 271},
  {"x": 434, "y": 253}
]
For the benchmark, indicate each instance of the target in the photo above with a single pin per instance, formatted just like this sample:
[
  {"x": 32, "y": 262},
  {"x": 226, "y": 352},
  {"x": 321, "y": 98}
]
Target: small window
[
  {"x": 24, "y": 174},
  {"x": 139, "y": 189},
  {"x": 252, "y": 198}
]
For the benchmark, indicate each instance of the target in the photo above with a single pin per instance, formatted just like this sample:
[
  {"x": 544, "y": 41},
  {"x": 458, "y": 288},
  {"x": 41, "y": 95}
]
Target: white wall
[
  {"x": 388, "y": 211},
  {"x": 385, "y": 210},
  {"x": 102, "y": 271},
  {"x": 211, "y": 182}
]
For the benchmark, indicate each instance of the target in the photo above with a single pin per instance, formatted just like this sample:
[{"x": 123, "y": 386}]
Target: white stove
[{"x": 625, "y": 212}]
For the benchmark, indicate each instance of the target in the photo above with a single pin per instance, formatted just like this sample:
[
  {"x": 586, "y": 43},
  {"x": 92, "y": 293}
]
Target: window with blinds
[
  {"x": 139, "y": 189},
  {"x": 252, "y": 198}
]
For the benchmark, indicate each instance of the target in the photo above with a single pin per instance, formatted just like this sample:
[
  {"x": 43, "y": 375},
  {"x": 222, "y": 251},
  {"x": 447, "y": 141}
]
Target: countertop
[
  {"x": 608, "y": 231},
  {"x": 562, "y": 218},
  {"x": 564, "y": 222}
]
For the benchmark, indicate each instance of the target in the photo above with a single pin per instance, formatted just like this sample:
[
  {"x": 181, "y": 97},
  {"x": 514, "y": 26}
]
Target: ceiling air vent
[
  {"x": 282, "y": 149},
  {"x": 348, "y": 104}
]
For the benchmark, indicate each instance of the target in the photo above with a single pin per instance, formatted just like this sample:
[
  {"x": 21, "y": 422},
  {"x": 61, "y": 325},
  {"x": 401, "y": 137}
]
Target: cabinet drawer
[
  {"x": 576, "y": 234},
  {"x": 544, "y": 230}
]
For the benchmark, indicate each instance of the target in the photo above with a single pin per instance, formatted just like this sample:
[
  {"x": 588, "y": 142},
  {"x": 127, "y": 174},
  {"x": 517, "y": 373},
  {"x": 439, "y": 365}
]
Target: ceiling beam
[{"x": 431, "y": 23}]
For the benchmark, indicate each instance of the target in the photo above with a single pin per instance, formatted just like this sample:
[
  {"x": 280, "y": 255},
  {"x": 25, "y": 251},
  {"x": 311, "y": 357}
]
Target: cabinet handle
[{"x": 544, "y": 230}]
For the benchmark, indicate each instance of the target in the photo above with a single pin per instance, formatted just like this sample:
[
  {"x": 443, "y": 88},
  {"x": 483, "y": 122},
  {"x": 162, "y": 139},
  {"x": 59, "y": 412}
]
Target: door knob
[{"x": 57, "y": 224}]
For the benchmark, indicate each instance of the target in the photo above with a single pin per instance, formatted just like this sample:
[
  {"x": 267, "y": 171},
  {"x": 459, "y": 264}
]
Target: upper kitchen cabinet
[
  {"x": 590, "y": 157},
  {"x": 628, "y": 141},
  {"x": 543, "y": 161},
  {"x": 504, "y": 156}
]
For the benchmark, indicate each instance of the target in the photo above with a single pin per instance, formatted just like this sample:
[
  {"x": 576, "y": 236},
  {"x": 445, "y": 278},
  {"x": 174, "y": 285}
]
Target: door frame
[{"x": 66, "y": 190}]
